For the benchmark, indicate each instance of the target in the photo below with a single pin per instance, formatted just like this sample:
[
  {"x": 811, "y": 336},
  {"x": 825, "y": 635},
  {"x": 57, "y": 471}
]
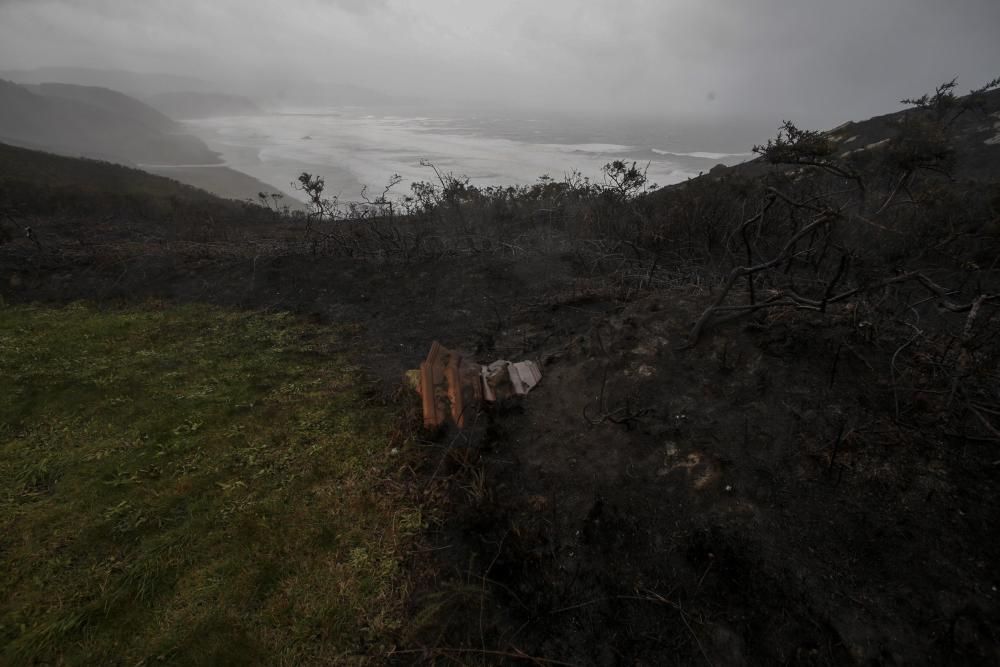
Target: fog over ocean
[{"x": 353, "y": 147}]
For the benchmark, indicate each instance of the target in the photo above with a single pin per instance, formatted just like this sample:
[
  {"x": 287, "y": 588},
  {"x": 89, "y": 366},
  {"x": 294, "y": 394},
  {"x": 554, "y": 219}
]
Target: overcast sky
[{"x": 816, "y": 61}]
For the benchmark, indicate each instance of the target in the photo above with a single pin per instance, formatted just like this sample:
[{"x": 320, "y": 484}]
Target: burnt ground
[
  {"x": 758, "y": 499},
  {"x": 740, "y": 502}
]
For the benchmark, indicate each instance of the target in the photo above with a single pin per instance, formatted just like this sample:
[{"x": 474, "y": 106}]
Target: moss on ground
[{"x": 192, "y": 485}]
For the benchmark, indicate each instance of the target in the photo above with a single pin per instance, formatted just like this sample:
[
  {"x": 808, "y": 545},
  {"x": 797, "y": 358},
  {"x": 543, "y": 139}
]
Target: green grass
[{"x": 192, "y": 485}]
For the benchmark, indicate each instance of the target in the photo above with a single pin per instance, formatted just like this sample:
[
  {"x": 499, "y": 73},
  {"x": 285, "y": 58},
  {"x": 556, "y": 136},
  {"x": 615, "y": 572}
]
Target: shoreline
[{"x": 352, "y": 149}]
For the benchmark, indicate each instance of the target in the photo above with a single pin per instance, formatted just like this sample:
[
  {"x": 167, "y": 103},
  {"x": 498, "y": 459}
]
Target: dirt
[
  {"x": 708, "y": 521},
  {"x": 750, "y": 500}
]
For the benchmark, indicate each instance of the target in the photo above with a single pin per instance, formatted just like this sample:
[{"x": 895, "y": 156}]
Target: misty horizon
[
  {"x": 502, "y": 93},
  {"x": 819, "y": 63}
]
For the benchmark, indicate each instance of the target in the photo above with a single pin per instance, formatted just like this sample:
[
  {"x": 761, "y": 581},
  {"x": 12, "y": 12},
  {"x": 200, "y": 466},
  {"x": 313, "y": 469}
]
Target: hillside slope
[
  {"x": 136, "y": 84},
  {"x": 767, "y": 428},
  {"x": 38, "y": 183},
  {"x": 973, "y": 137},
  {"x": 93, "y": 122},
  {"x": 111, "y": 101}
]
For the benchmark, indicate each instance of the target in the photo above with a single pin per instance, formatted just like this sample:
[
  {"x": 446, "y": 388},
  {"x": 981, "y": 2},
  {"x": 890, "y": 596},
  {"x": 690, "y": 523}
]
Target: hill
[
  {"x": 94, "y": 122},
  {"x": 108, "y": 126},
  {"x": 111, "y": 101},
  {"x": 39, "y": 183},
  {"x": 971, "y": 136},
  {"x": 187, "y": 105},
  {"x": 149, "y": 85},
  {"x": 26, "y": 166},
  {"x": 135, "y": 84}
]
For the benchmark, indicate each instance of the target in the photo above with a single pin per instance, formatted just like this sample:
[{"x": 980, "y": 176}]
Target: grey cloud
[
  {"x": 816, "y": 60},
  {"x": 359, "y": 6}
]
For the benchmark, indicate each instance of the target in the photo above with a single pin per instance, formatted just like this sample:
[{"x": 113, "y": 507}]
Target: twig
[
  {"x": 899, "y": 186},
  {"x": 705, "y": 574},
  {"x": 961, "y": 361},
  {"x": 740, "y": 271},
  {"x": 836, "y": 359},
  {"x": 482, "y": 597},
  {"x": 652, "y": 596},
  {"x": 892, "y": 366},
  {"x": 836, "y": 447},
  {"x": 985, "y": 422},
  {"x": 579, "y": 606}
]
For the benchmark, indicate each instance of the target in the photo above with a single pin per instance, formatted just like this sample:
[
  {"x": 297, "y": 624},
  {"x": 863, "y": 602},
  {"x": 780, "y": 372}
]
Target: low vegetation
[
  {"x": 192, "y": 485},
  {"x": 766, "y": 432}
]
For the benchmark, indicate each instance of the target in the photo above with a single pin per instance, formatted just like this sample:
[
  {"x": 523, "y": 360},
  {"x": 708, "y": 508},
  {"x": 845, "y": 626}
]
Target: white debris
[{"x": 502, "y": 378}]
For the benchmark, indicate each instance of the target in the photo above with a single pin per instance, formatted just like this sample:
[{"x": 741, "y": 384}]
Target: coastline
[{"x": 352, "y": 148}]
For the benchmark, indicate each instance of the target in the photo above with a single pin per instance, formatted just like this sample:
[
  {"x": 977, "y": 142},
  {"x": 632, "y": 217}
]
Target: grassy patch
[{"x": 191, "y": 485}]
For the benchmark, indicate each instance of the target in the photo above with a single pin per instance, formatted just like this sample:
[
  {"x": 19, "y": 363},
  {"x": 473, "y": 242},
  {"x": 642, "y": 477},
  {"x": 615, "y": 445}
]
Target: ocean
[{"x": 354, "y": 148}]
